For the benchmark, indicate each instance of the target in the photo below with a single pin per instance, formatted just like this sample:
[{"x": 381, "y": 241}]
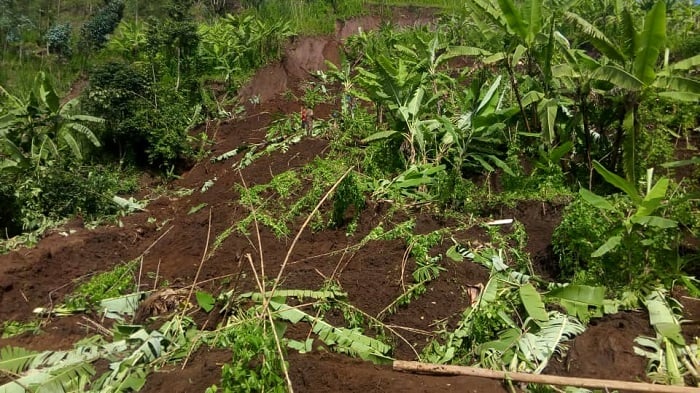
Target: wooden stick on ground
[{"x": 440, "y": 369}]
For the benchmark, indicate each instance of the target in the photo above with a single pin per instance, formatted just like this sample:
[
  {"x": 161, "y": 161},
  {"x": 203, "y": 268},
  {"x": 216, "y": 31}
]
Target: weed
[
  {"x": 112, "y": 283},
  {"x": 348, "y": 194},
  {"x": 280, "y": 201},
  {"x": 15, "y": 328}
]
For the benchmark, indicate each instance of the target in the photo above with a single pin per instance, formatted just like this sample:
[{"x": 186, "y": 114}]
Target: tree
[
  {"x": 174, "y": 40},
  {"x": 58, "y": 39},
  {"x": 95, "y": 31}
]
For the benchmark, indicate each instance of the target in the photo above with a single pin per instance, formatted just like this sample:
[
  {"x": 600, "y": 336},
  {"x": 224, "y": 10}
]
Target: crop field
[{"x": 327, "y": 195}]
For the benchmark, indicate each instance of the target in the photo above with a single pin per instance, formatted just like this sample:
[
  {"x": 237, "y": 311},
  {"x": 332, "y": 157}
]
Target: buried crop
[
  {"x": 132, "y": 353},
  {"x": 278, "y": 203},
  {"x": 508, "y": 325},
  {"x": 116, "y": 282},
  {"x": 419, "y": 247},
  {"x": 256, "y": 362}
]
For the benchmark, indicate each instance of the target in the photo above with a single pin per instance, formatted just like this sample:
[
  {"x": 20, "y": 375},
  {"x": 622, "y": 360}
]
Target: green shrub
[
  {"x": 688, "y": 47},
  {"x": 58, "y": 39},
  {"x": 116, "y": 92},
  {"x": 454, "y": 192},
  {"x": 146, "y": 124},
  {"x": 9, "y": 223},
  {"x": 95, "y": 31},
  {"x": 383, "y": 159},
  {"x": 622, "y": 245},
  {"x": 165, "y": 130},
  {"x": 256, "y": 364},
  {"x": 347, "y": 195},
  {"x": 60, "y": 192},
  {"x": 112, "y": 283},
  {"x": 581, "y": 231},
  {"x": 85, "y": 190}
]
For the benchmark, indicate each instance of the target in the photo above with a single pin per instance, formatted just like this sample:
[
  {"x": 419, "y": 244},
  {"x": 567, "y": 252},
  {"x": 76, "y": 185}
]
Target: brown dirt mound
[
  {"x": 203, "y": 369},
  {"x": 606, "y": 349},
  {"x": 328, "y": 372},
  {"x": 306, "y": 55}
]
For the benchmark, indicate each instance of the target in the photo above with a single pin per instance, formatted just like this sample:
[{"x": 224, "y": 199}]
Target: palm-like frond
[
  {"x": 533, "y": 9},
  {"x": 83, "y": 130},
  {"x": 618, "y": 76},
  {"x": 629, "y": 34},
  {"x": 72, "y": 144},
  {"x": 513, "y": 18},
  {"x": 597, "y": 37},
  {"x": 489, "y": 10},
  {"x": 341, "y": 339},
  {"x": 16, "y": 360},
  {"x": 72, "y": 378},
  {"x": 650, "y": 43},
  {"x": 48, "y": 371},
  {"x": 685, "y": 64},
  {"x": 678, "y": 83},
  {"x": 540, "y": 346},
  {"x": 129, "y": 373}
]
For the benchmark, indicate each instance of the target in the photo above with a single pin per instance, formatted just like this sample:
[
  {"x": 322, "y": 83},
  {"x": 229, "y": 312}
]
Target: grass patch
[{"x": 118, "y": 281}]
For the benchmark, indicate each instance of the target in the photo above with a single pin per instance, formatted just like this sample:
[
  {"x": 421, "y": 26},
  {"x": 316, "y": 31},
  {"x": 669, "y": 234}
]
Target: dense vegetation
[{"x": 578, "y": 103}]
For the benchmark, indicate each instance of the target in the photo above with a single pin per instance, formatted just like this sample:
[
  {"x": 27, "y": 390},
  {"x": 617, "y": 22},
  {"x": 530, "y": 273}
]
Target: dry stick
[
  {"x": 97, "y": 327},
  {"x": 325, "y": 254},
  {"x": 261, "y": 285},
  {"x": 138, "y": 283},
  {"x": 155, "y": 281},
  {"x": 192, "y": 347},
  {"x": 296, "y": 239},
  {"x": 143, "y": 255},
  {"x": 199, "y": 269},
  {"x": 156, "y": 241},
  {"x": 413, "y": 330},
  {"x": 439, "y": 369},
  {"x": 257, "y": 233},
  {"x": 377, "y": 321},
  {"x": 266, "y": 301},
  {"x": 404, "y": 260},
  {"x": 337, "y": 267},
  {"x": 255, "y": 274},
  {"x": 268, "y": 313},
  {"x": 215, "y": 278},
  {"x": 389, "y": 327}
]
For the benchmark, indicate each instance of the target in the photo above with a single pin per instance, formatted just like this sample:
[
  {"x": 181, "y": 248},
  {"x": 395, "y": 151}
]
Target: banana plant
[
  {"x": 37, "y": 129},
  {"x": 644, "y": 207},
  {"x": 399, "y": 86},
  {"x": 220, "y": 49},
  {"x": 630, "y": 66},
  {"x": 507, "y": 325},
  {"x": 529, "y": 36},
  {"x": 470, "y": 139},
  {"x": 129, "y": 40},
  {"x": 575, "y": 76}
]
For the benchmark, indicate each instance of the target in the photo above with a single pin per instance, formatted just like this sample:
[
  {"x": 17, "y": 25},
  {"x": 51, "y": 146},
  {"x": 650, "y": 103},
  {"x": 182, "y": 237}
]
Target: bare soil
[{"x": 172, "y": 242}]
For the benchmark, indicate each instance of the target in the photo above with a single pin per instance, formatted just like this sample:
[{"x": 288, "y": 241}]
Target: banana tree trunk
[
  {"x": 631, "y": 127},
  {"x": 514, "y": 85},
  {"x": 583, "y": 103}
]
